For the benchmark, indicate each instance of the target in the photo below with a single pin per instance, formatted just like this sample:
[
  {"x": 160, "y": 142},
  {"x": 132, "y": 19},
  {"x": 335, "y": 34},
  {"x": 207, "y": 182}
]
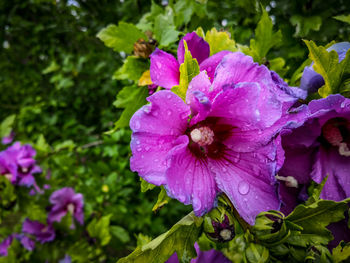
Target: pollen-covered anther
[
  {"x": 290, "y": 181},
  {"x": 71, "y": 208},
  {"x": 226, "y": 234},
  {"x": 344, "y": 149},
  {"x": 202, "y": 136}
]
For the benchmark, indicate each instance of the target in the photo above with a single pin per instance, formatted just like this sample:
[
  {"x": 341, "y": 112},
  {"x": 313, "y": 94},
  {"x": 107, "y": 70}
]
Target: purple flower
[
  {"x": 312, "y": 81},
  {"x": 320, "y": 147},
  {"x": 42, "y": 233},
  {"x": 18, "y": 165},
  {"x": 66, "y": 259},
  {"x": 66, "y": 200},
  {"x": 165, "y": 68},
  {"x": 26, "y": 242},
  {"x": 8, "y": 139},
  {"x": 210, "y": 256},
  {"x": 221, "y": 140},
  {"x": 4, "y": 245}
]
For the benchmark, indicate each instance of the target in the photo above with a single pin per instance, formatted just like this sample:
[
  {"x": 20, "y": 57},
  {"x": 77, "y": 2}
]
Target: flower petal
[
  {"x": 164, "y": 69},
  {"x": 155, "y": 127},
  {"x": 248, "y": 180},
  {"x": 189, "y": 179},
  {"x": 199, "y": 48},
  {"x": 210, "y": 64},
  {"x": 330, "y": 162}
]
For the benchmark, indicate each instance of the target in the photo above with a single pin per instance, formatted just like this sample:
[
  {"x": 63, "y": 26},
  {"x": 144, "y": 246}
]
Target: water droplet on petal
[
  {"x": 169, "y": 112},
  {"x": 168, "y": 96},
  {"x": 342, "y": 105},
  {"x": 137, "y": 125},
  {"x": 159, "y": 65},
  {"x": 243, "y": 188},
  {"x": 147, "y": 148}
]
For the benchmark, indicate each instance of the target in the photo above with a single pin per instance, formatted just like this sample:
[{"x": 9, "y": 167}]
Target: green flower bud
[{"x": 219, "y": 225}]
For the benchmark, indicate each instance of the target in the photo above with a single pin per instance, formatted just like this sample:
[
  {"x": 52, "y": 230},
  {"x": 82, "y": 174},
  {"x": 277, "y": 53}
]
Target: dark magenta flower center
[
  {"x": 207, "y": 137},
  {"x": 336, "y": 132}
]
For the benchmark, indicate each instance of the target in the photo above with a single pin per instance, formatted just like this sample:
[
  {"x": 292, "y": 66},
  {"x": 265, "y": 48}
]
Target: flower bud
[
  {"x": 270, "y": 227},
  {"x": 219, "y": 225},
  {"x": 144, "y": 48}
]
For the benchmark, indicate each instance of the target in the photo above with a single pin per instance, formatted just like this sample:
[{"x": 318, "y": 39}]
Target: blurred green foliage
[{"x": 57, "y": 93}]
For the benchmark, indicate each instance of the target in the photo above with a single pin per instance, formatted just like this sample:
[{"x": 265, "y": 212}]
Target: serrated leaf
[
  {"x": 343, "y": 18},
  {"x": 341, "y": 252},
  {"x": 256, "y": 253},
  {"x": 180, "y": 239},
  {"x": 131, "y": 98},
  {"x": 305, "y": 24},
  {"x": 100, "y": 229},
  {"x": 219, "y": 41},
  {"x": 188, "y": 70},
  {"x": 327, "y": 64},
  {"x": 164, "y": 29},
  {"x": 132, "y": 69},
  {"x": 6, "y": 125},
  {"x": 162, "y": 200},
  {"x": 265, "y": 38},
  {"x": 121, "y": 37},
  {"x": 314, "y": 218},
  {"x": 145, "y": 186}
]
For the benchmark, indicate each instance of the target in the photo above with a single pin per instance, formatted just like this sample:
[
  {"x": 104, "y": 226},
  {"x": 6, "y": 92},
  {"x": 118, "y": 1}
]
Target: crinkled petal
[
  {"x": 248, "y": 180},
  {"x": 238, "y": 104},
  {"x": 199, "y": 48},
  {"x": 210, "y": 64},
  {"x": 189, "y": 179},
  {"x": 199, "y": 83},
  {"x": 330, "y": 162},
  {"x": 155, "y": 128},
  {"x": 200, "y": 106},
  {"x": 164, "y": 69}
]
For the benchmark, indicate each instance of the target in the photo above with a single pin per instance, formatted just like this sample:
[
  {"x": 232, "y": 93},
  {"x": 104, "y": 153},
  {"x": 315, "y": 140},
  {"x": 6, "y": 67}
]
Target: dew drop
[
  {"x": 168, "y": 96},
  {"x": 169, "y": 112},
  {"x": 147, "y": 109},
  {"x": 209, "y": 69},
  {"x": 342, "y": 105},
  {"x": 137, "y": 125},
  {"x": 243, "y": 188},
  {"x": 147, "y": 148},
  {"x": 224, "y": 169},
  {"x": 159, "y": 65}
]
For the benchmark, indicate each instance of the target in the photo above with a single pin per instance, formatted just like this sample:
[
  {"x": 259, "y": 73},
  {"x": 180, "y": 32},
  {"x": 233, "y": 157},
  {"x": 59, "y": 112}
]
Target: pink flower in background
[
  {"x": 17, "y": 163},
  {"x": 66, "y": 200},
  {"x": 8, "y": 139},
  {"x": 43, "y": 233},
  {"x": 221, "y": 140},
  {"x": 165, "y": 70}
]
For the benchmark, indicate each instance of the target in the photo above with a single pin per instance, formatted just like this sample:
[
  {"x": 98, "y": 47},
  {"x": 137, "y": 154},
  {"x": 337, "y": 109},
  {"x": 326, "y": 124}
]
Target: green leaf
[
  {"x": 315, "y": 190},
  {"x": 51, "y": 68},
  {"x": 145, "y": 186},
  {"x": 305, "y": 24},
  {"x": 219, "y": 41},
  {"x": 162, "y": 200},
  {"x": 180, "y": 239},
  {"x": 41, "y": 144},
  {"x": 323, "y": 212},
  {"x": 341, "y": 252},
  {"x": 120, "y": 233},
  {"x": 188, "y": 70},
  {"x": 343, "y": 18},
  {"x": 184, "y": 10},
  {"x": 164, "y": 29},
  {"x": 131, "y": 98},
  {"x": 100, "y": 229},
  {"x": 6, "y": 125},
  {"x": 132, "y": 69},
  {"x": 256, "y": 253},
  {"x": 327, "y": 64},
  {"x": 265, "y": 38},
  {"x": 121, "y": 37},
  {"x": 8, "y": 194}
]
